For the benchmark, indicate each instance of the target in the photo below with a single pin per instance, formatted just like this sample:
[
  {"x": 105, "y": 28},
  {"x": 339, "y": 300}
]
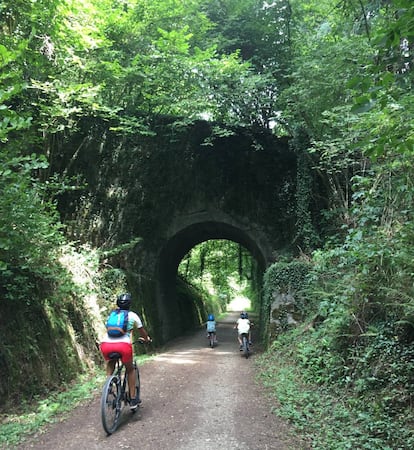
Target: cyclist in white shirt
[{"x": 243, "y": 326}]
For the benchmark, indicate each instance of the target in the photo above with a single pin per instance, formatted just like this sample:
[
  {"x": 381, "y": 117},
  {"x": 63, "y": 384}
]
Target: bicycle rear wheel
[
  {"x": 111, "y": 404},
  {"x": 245, "y": 347}
]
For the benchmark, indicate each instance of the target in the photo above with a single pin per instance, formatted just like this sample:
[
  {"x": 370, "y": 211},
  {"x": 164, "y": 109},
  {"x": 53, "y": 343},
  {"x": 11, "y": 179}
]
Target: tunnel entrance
[
  {"x": 178, "y": 315},
  {"x": 153, "y": 198}
]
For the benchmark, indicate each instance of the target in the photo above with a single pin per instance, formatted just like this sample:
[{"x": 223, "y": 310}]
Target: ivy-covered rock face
[
  {"x": 175, "y": 189},
  {"x": 282, "y": 303}
]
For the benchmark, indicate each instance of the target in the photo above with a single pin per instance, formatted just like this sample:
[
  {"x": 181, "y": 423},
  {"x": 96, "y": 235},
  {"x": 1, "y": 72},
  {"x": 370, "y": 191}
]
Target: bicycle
[
  {"x": 115, "y": 393},
  {"x": 212, "y": 338},
  {"x": 245, "y": 345}
]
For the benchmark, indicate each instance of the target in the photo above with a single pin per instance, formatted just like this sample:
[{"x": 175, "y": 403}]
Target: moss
[{"x": 38, "y": 341}]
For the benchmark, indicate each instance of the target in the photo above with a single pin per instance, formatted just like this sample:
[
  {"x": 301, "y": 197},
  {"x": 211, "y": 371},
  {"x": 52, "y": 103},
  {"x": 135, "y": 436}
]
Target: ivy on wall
[
  {"x": 283, "y": 278},
  {"x": 306, "y": 235}
]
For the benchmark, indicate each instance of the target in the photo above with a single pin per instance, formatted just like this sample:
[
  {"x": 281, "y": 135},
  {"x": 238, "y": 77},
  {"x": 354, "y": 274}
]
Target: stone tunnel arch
[
  {"x": 203, "y": 228},
  {"x": 171, "y": 190}
]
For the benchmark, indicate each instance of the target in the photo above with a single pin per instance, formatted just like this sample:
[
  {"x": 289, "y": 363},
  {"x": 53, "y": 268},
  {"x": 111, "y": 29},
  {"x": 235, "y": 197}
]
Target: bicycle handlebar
[{"x": 141, "y": 340}]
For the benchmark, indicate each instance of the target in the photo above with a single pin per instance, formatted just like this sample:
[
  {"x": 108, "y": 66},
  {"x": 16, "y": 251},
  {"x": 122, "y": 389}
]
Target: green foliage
[
  {"x": 259, "y": 32},
  {"x": 356, "y": 346},
  {"x": 359, "y": 292},
  {"x": 220, "y": 271},
  {"x": 16, "y": 426},
  {"x": 136, "y": 62},
  {"x": 306, "y": 235},
  {"x": 336, "y": 76},
  {"x": 29, "y": 228},
  {"x": 335, "y": 418},
  {"x": 214, "y": 264}
]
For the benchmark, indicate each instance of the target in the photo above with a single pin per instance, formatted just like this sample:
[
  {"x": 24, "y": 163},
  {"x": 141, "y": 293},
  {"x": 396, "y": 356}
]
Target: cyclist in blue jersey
[{"x": 211, "y": 326}]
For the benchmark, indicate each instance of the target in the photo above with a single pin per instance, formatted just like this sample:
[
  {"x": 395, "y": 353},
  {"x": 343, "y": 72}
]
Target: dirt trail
[{"x": 194, "y": 398}]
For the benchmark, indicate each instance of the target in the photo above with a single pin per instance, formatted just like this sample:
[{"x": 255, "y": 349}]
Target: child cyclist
[
  {"x": 243, "y": 327},
  {"x": 211, "y": 327}
]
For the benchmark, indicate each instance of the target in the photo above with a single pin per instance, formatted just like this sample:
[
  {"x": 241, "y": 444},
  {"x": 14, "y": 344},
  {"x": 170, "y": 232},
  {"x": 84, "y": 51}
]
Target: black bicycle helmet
[{"x": 124, "y": 301}]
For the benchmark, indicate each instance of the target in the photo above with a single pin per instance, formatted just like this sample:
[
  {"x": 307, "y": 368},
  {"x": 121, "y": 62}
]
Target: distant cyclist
[
  {"x": 123, "y": 345},
  {"x": 243, "y": 327},
  {"x": 211, "y": 326}
]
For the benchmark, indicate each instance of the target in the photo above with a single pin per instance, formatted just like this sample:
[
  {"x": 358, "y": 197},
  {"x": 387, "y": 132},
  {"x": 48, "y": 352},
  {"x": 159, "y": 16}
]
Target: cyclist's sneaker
[
  {"x": 135, "y": 402},
  {"x": 241, "y": 348},
  {"x": 250, "y": 343}
]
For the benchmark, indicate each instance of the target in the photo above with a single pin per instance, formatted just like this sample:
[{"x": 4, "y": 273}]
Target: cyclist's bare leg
[
  {"x": 110, "y": 367},
  {"x": 131, "y": 378}
]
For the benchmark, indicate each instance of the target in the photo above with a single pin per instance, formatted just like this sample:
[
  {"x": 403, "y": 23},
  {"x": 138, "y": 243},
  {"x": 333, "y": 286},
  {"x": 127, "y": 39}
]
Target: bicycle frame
[
  {"x": 245, "y": 344},
  {"x": 116, "y": 391},
  {"x": 211, "y": 338},
  {"x": 119, "y": 368}
]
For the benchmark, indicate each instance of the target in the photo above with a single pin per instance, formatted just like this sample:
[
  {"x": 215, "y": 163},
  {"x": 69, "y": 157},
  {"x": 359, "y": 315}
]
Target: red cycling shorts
[{"x": 124, "y": 348}]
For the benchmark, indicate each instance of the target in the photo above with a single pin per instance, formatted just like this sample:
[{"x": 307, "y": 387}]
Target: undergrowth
[
  {"x": 15, "y": 426},
  {"x": 334, "y": 415}
]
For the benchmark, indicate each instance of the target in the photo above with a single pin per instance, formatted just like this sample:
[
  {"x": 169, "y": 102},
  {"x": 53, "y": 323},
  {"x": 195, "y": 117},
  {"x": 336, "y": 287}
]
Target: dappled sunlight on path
[{"x": 189, "y": 357}]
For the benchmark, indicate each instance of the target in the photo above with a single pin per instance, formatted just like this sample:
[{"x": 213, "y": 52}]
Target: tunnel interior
[{"x": 174, "y": 251}]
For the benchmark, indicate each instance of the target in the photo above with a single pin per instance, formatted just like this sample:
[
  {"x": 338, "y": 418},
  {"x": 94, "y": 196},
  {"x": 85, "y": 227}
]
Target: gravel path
[{"x": 194, "y": 398}]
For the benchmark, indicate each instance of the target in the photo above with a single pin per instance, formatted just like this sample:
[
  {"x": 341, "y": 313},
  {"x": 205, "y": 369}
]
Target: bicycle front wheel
[
  {"x": 137, "y": 382},
  {"x": 111, "y": 404}
]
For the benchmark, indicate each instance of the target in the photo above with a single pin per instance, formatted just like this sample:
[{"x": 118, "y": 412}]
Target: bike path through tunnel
[{"x": 175, "y": 317}]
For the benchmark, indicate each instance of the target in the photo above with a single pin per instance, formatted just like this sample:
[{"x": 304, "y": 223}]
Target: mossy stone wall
[{"x": 189, "y": 182}]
